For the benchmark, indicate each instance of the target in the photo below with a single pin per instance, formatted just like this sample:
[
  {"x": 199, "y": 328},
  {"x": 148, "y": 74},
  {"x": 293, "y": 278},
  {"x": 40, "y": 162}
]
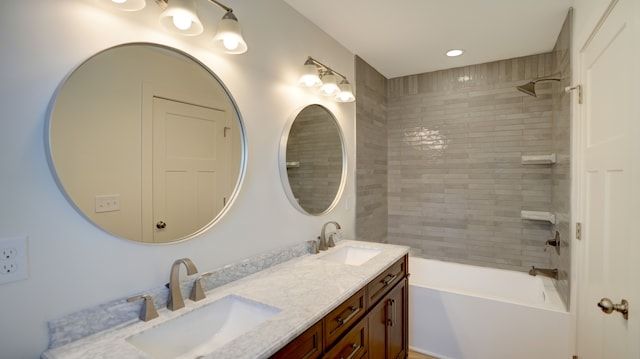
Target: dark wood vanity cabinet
[
  {"x": 373, "y": 323},
  {"x": 353, "y": 345},
  {"x": 344, "y": 317},
  {"x": 307, "y": 345},
  {"x": 388, "y": 323}
]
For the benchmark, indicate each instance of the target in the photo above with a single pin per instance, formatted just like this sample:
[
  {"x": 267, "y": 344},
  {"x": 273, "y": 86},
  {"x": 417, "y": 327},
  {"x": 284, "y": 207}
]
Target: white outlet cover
[{"x": 16, "y": 267}]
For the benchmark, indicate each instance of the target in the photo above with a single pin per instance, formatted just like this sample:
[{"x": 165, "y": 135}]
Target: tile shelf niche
[
  {"x": 538, "y": 216},
  {"x": 539, "y": 159}
]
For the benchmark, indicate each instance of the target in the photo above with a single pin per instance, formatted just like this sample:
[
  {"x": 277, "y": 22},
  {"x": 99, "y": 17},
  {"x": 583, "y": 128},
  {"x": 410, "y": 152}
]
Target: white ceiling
[{"x": 406, "y": 37}]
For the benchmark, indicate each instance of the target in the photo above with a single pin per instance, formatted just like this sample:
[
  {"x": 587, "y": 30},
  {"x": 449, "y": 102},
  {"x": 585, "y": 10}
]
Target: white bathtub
[{"x": 458, "y": 311}]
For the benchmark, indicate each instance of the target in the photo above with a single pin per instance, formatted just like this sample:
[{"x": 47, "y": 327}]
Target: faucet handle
[
  {"x": 314, "y": 247},
  {"x": 196, "y": 291},
  {"x": 332, "y": 240},
  {"x": 322, "y": 243},
  {"x": 148, "y": 310}
]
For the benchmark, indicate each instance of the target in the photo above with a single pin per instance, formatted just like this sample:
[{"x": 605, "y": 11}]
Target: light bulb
[
  {"x": 309, "y": 81},
  {"x": 230, "y": 43},
  {"x": 345, "y": 94},
  {"x": 181, "y": 21},
  {"x": 127, "y": 5},
  {"x": 229, "y": 35},
  {"x": 329, "y": 85},
  {"x": 180, "y": 17}
]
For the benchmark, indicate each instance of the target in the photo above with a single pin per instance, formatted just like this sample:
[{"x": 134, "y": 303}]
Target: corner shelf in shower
[
  {"x": 539, "y": 159},
  {"x": 538, "y": 216}
]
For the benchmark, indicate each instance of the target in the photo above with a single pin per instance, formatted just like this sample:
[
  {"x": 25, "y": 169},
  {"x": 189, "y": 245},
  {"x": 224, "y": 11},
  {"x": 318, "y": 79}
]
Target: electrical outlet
[
  {"x": 8, "y": 267},
  {"x": 8, "y": 253},
  {"x": 13, "y": 259}
]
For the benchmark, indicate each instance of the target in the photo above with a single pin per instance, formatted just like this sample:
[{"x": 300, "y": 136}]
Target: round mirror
[
  {"x": 312, "y": 160},
  {"x": 146, "y": 143}
]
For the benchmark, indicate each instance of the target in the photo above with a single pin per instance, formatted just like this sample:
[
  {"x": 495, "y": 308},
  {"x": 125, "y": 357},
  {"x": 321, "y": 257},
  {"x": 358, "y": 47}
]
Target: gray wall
[
  {"x": 561, "y": 171},
  {"x": 371, "y": 150}
]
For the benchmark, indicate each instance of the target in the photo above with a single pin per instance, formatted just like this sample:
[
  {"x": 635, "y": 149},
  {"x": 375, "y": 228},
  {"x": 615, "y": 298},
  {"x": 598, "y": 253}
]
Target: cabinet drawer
[
  {"x": 306, "y": 346},
  {"x": 343, "y": 317},
  {"x": 354, "y": 343},
  {"x": 377, "y": 288}
]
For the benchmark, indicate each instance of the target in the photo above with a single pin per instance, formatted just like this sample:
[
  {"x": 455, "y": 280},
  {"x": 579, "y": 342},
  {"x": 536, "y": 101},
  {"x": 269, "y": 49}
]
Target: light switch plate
[{"x": 107, "y": 203}]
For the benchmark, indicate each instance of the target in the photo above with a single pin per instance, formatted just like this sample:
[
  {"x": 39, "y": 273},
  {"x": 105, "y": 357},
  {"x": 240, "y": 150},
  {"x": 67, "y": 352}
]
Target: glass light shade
[
  {"x": 310, "y": 76},
  {"x": 329, "y": 85},
  {"x": 128, "y": 5},
  {"x": 229, "y": 35},
  {"x": 346, "y": 92},
  {"x": 180, "y": 17}
]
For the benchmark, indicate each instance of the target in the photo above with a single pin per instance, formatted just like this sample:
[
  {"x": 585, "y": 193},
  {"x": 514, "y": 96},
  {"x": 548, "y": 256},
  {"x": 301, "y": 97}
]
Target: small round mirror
[
  {"x": 146, "y": 143},
  {"x": 312, "y": 160}
]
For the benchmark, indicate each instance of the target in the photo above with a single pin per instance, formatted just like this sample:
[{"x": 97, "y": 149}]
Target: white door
[
  {"x": 190, "y": 161},
  {"x": 609, "y": 252}
]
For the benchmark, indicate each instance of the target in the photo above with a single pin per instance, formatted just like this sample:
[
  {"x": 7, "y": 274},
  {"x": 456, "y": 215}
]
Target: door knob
[
  {"x": 608, "y": 307},
  {"x": 161, "y": 225}
]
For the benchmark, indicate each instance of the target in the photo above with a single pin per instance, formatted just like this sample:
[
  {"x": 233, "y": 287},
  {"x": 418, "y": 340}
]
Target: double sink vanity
[{"x": 349, "y": 301}]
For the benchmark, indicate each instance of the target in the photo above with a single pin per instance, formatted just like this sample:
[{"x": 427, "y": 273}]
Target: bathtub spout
[{"x": 553, "y": 273}]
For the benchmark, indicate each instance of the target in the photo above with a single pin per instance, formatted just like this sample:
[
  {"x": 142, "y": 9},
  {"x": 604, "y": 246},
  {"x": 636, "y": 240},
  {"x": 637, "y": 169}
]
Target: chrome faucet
[
  {"x": 323, "y": 246},
  {"x": 175, "y": 300},
  {"x": 553, "y": 273}
]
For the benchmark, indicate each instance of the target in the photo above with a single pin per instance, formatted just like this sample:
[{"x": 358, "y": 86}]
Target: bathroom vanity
[
  {"x": 349, "y": 301},
  {"x": 372, "y": 323}
]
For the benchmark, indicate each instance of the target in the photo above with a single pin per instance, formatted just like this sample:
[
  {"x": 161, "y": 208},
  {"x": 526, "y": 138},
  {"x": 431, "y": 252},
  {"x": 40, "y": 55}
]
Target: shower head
[{"x": 530, "y": 87}]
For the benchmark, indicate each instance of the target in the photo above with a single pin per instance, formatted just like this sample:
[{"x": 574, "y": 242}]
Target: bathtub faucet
[{"x": 553, "y": 273}]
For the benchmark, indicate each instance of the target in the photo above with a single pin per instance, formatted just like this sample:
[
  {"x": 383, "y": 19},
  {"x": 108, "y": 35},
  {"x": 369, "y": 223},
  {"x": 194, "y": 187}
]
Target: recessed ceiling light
[{"x": 454, "y": 53}]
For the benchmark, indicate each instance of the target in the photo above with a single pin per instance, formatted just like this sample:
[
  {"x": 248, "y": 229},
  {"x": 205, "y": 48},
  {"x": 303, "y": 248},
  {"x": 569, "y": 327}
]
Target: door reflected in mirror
[
  {"x": 146, "y": 143},
  {"x": 312, "y": 161}
]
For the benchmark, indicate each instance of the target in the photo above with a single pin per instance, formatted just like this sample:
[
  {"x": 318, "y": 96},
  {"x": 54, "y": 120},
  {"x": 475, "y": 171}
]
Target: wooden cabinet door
[
  {"x": 397, "y": 321},
  {"x": 378, "y": 331},
  {"x": 388, "y": 325}
]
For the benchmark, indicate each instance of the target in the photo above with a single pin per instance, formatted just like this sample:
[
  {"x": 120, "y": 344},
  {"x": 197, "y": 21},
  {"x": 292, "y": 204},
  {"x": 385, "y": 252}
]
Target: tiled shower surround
[
  {"x": 455, "y": 183},
  {"x": 371, "y": 154}
]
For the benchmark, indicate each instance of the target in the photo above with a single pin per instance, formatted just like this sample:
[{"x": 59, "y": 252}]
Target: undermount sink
[
  {"x": 351, "y": 255},
  {"x": 204, "y": 329}
]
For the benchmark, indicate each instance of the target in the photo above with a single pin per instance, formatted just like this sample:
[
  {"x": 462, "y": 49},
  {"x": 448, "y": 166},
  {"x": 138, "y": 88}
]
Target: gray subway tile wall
[
  {"x": 455, "y": 184},
  {"x": 456, "y": 181},
  {"x": 371, "y": 154},
  {"x": 561, "y": 171}
]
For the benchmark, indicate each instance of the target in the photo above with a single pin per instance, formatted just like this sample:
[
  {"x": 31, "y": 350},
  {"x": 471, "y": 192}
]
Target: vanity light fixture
[
  {"x": 317, "y": 74},
  {"x": 180, "y": 16}
]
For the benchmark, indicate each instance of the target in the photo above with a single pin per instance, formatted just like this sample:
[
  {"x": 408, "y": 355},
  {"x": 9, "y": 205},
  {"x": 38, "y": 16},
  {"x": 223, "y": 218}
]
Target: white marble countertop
[{"x": 305, "y": 289}]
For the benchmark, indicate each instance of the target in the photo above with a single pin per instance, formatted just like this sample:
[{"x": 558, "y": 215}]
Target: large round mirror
[
  {"x": 146, "y": 143},
  {"x": 312, "y": 160}
]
